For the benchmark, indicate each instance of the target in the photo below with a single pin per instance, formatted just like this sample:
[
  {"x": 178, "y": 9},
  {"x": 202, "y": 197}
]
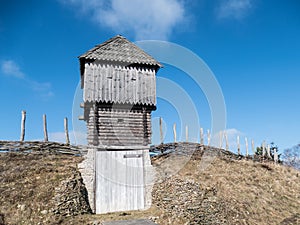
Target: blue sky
[{"x": 252, "y": 47}]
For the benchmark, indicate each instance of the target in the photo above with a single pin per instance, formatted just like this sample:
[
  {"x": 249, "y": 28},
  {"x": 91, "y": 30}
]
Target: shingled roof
[{"x": 119, "y": 49}]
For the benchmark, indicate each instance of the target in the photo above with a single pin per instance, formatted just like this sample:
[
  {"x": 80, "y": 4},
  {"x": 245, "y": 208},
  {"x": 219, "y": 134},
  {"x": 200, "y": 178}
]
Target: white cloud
[
  {"x": 11, "y": 68},
  {"x": 147, "y": 19},
  {"x": 236, "y": 9}
]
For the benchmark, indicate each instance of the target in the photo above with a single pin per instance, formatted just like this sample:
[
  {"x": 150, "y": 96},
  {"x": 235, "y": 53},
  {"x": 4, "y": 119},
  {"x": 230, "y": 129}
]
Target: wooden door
[{"x": 119, "y": 181}]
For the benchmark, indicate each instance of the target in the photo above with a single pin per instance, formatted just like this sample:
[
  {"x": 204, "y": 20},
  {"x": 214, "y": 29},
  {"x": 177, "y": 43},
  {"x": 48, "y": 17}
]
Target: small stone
[
  {"x": 44, "y": 212},
  {"x": 21, "y": 207}
]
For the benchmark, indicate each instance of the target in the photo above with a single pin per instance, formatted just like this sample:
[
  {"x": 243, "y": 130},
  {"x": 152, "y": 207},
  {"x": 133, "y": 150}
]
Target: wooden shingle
[{"x": 119, "y": 49}]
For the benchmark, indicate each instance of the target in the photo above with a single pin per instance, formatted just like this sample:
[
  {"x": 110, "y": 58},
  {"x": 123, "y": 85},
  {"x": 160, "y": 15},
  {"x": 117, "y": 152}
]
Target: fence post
[
  {"x": 186, "y": 133},
  {"x": 263, "y": 149},
  {"x": 66, "y": 131},
  {"x": 161, "y": 131},
  {"x": 174, "y": 132},
  {"x": 45, "y": 128},
  {"x": 221, "y": 140},
  {"x": 268, "y": 151},
  {"x": 238, "y": 145},
  {"x": 227, "y": 144},
  {"x": 247, "y": 147},
  {"x": 208, "y": 137},
  {"x": 23, "y": 125},
  {"x": 253, "y": 147},
  {"x": 275, "y": 156},
  {"x": 201, "y": 136}
]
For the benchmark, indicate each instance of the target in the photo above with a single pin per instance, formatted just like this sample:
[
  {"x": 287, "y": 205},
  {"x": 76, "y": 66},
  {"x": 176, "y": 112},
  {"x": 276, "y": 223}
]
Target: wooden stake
[
  {"x": 174, "y": 132},
  {"x": 45, "y": 128},
  {"x": 186, "y": 133},
  {"x": 66, "y": 131},
  {"x": 227, "y": 144},
  {"x": 22, "y": 137},
  {"x": 275, "y": 156},
  {"x": 268, "y": 151},
  {"x": 253, "y": 147},
  {"x": 247, "y": 147},
  {"x": 201, "y": 136},
  {"x": 263, "y": 149},
  {"x": 221, "y": 140},
  {"x": 161, "y": 131},
  {"x": 208, "y": 137},
  {"x": 238, "y": 145}
]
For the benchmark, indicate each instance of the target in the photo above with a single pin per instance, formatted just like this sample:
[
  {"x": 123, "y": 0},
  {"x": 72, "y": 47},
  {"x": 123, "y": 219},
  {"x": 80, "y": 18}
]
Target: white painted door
[{"x": 119, "y": 181}]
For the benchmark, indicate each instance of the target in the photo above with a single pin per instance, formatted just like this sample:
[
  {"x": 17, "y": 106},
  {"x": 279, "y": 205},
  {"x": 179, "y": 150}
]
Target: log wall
[{"x": 119, "y": 127}]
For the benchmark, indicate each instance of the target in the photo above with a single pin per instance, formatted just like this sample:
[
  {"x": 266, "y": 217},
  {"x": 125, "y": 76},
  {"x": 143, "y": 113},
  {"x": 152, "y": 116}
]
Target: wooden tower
[{"x": 119, "y": 94}]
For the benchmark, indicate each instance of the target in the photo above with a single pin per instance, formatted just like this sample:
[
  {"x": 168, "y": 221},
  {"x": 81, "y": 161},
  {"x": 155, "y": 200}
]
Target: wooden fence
[
  {"x": 266, "y": 153},
  {"x": 39, "y": 146},
  {"x": 23, "y": 122}
]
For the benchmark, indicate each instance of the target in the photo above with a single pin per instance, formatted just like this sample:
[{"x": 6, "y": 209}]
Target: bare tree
[{"x": 291, "y": 157}]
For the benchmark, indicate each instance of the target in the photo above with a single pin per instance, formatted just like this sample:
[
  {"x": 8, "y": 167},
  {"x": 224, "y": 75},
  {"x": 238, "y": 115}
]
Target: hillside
[{"x": 194, "y": 186}]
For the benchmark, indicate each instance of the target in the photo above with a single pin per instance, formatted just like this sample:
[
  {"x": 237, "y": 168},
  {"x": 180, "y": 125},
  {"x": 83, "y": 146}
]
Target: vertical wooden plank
[
  {"x": 269, "y": 151},
  {"x": 161, "y": 131},
  {"x": 135, "y": 85},
  {"x": 142, "y": 86},
  {"x": 86, "y": 69},
  {"x": 275, "y": 156},
  {"x": 23, "y": 120},
  {"x": 227, "y": 144},
  {"x": 110, "y": 83},
  {"x": 66, "y": 131},
  {"x": 87, "y": 82},
  {"x": 45, "y": 128},
  {"x": 110, "y": 90},
  {"x": 220, "y": 139},
  {"x": 93, "y": 83},
  {"x": 123, "y": 84},
  {"x": 201, "y": 136},
  {"x": 263, "y": 149},
  {"x": 117, "y": 84},
  {"x": 149, "y": 87},
  {"x": 153, "y": 87},
  {"x": 253, "y": 147},
  {"x": 208, "y": 137},
  {"x": 130, "y": 85},
  {"x": 105, "y": 76},
  {"x": 174, "y": 132},
  {"x": 145, "y": 84},
  {"x": 101, "y": 74},
  {"x": 126, "y": 85},
  {"x": 96, "y": 74},
  {"x": 138, "y": 85}
]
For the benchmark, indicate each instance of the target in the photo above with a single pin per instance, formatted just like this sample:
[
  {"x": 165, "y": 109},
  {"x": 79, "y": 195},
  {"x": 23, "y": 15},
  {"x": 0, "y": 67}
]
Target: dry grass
[
  {"x": 27, "y": 185},
  {"x": 259, "y": 193},
  {"x": 245, "y": 192}
]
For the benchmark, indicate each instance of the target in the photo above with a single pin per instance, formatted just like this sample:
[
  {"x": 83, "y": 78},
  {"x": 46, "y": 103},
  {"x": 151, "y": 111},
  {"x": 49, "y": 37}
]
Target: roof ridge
[
  {"x": 111, "y": 39},
  {"x": 120, "y": 49}
]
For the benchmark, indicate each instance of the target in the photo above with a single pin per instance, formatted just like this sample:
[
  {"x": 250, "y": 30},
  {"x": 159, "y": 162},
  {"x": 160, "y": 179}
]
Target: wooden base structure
[{"x": 119, "y": 94}]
